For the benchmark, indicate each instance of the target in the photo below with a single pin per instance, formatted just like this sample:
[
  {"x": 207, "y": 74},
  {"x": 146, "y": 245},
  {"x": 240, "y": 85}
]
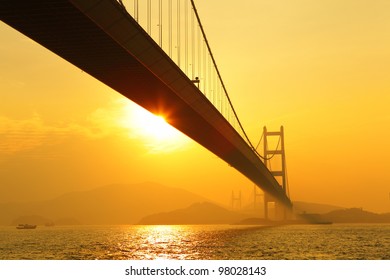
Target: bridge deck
[{"x": 100, "y": 38}]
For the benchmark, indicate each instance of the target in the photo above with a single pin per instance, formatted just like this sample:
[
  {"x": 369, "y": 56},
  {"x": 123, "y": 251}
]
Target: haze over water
[{"x": 334, "y": 242}]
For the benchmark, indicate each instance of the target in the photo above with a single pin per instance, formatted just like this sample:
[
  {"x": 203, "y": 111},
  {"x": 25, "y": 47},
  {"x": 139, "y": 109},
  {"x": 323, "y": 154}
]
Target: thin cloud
[
  {"x": 118, "y": 118},
  {"x": 17, "y": 135}
]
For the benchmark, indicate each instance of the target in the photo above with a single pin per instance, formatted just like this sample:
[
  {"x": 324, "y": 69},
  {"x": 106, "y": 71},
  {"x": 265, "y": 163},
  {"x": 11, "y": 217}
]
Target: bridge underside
[{"x": 100, "y": 38}]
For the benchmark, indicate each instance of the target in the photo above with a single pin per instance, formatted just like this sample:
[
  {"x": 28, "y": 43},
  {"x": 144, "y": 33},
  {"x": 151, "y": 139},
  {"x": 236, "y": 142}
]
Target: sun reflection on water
[
  {"x": 166, "y": 242},
  {"x": 180, "y": 242}
]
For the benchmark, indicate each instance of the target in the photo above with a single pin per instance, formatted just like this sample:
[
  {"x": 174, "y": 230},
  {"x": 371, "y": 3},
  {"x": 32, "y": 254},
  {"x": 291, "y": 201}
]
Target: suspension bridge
[{"x": 156, "y": 53}]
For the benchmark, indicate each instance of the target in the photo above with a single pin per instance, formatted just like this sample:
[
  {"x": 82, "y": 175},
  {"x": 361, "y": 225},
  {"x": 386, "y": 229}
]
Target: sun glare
[
  {"x": 154, "y": 130},
  {"x": 156, "y": 127}
]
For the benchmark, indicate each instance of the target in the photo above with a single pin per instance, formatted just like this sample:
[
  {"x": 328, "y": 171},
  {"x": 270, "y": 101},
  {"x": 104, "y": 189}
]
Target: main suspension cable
[{"x": 222, "y": 83}]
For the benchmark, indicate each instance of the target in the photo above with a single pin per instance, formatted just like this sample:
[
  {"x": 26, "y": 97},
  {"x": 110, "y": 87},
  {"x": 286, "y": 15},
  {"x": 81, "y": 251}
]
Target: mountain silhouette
[
  {"x": 356, "y": 215},
  {"x": 197, "y": 213},
  {"x": 112, "y": 204}
]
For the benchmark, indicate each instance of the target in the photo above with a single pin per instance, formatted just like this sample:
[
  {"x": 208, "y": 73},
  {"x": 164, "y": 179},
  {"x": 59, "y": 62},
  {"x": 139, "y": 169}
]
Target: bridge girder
[{"x": 100, "y": 38}]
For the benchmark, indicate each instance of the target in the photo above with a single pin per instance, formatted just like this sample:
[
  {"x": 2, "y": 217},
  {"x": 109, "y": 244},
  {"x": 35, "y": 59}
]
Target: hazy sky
[{"x": 320, "y": 68}]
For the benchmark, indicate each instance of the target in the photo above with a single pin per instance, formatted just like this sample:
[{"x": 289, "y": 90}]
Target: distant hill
[
  {"x": 198, "y": 213},
  {"x": 356, "y": 215},
  {"x": 113, "y": 204},
  {"x": 39, "y": 220},
  {"x": 300, "y": 207},
  {"x": 313, "y": 208},
  {"x": 139, "y": 203}
]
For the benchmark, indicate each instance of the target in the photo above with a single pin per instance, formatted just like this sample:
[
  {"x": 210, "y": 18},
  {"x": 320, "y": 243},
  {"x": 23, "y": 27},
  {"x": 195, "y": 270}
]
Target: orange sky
[{"x": 320, "y": 68}]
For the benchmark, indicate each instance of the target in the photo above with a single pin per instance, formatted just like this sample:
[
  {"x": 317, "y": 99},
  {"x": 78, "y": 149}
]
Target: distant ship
[{"x": 26, "y": 226}]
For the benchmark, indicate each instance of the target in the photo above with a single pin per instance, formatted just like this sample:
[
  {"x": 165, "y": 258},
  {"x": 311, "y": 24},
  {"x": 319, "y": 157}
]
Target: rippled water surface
[{"x": 198, "y": 242}]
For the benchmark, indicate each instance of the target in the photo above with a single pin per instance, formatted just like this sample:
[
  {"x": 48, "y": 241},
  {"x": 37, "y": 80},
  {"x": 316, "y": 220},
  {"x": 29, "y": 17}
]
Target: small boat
[{"x": 26, "y": 226}]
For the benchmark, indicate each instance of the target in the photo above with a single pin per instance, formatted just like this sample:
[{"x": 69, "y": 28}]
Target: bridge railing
[{"x": 176, "y": 27}]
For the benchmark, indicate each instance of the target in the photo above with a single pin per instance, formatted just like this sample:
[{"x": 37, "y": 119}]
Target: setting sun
[
  {"x": 156, "y": 127},
  {"x": 157, "y": 134}
]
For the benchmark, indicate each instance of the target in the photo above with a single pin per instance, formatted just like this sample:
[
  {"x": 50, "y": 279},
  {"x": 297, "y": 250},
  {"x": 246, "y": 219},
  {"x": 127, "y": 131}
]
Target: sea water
[{"x": 198, "y": 242}]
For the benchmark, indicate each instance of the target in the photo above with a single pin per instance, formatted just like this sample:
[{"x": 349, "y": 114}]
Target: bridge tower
[
  {"x": 280, "y": 175},
  {"x": 236, "y": 201}
]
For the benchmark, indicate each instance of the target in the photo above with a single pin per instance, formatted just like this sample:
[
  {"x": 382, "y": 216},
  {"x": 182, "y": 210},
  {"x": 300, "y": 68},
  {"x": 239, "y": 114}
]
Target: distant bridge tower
[
  {"x": 257, "y": 195},
  {"x": 280, "y": 175},
  {"x": 236, "y": 201}
]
